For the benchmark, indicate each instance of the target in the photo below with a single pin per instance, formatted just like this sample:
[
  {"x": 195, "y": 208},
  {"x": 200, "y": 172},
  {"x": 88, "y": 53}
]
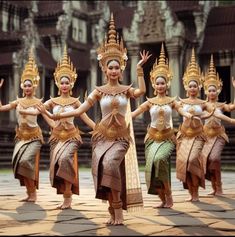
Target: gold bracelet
[
  {"x": 140, "y": 72},
  {"x": 56, "y": 116}
]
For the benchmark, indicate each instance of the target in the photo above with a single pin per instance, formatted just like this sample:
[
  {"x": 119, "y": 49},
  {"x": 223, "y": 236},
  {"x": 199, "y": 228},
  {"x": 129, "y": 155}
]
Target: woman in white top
[
  {"x": 214, "y": 130},
  {"x": 160, "y": 138},
  {"x": 190, "y": 137},
  {"x": 111, "y": 136},
  {"x": 28, "y": 139},
  {"x": 65, "y": 138}
]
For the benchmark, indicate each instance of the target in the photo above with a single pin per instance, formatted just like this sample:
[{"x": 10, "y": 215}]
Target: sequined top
[
  {"x": 161, "y": 116},
  {"x": 213, "y": 119},
  {"x": 30, "y": 120},
  {"x": 108, "y": 103}
]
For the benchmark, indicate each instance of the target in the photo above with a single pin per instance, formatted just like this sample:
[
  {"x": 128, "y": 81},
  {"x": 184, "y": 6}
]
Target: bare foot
[
  {"x": 188, "y": 199},
  {"x": 195, "y": 200},
  {"x": 118, "y": 216},
  {"x": 211, "y": 193},
  {"x": 169, "y": 201},
  {"x": 32, "y": 197},
  {"x": 24, "y": 199},
  {"x": 66, "y": 204},
  {"x": 161, "y": 205},
  {"x": 111, "y": 220},
  {"x": 220, "y": 194}
]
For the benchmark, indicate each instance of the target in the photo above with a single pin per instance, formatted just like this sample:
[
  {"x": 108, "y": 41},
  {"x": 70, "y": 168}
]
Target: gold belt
[
  {"x": 213, "y": 132},
  {"x": 191, "y": 132},
  {"x": 64, "y": 134},
  {"x": 113, "y": 132},
  {"x": 24, "y": 132},
  {"x": 160, "y": 135}
]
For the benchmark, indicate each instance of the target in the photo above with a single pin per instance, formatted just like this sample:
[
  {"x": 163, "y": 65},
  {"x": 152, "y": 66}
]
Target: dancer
[
  {"x": 214, "y": 130},
  {"x": 190, "y": 137},
  {"x": 111, "y": 136},
  {"x": 65, "y": 137},
  {"x": 28, "y": 139}
]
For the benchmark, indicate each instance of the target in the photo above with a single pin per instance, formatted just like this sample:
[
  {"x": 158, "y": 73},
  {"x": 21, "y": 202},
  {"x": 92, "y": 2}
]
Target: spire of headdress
[
  {"x": 193, "y": 72},
  {"x": 212, "y": 78},
  {"x": 65, "y": 68},
  {"x": 161, "y": 68},
  {"x": 30, "y": 71},
  {"x": 112, "y": 48}
]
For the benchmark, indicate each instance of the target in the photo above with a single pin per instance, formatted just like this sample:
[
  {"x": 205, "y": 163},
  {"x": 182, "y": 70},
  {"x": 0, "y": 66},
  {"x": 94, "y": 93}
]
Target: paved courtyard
[{"x": 211, "y": 216}]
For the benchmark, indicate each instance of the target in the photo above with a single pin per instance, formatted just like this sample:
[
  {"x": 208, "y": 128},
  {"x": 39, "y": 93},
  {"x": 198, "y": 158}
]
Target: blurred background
[{"x": 208, "y": 26}]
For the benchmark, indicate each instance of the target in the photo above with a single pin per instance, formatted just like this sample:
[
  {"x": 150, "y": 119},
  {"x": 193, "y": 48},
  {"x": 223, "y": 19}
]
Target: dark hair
[{"x": 113, "y": 60}]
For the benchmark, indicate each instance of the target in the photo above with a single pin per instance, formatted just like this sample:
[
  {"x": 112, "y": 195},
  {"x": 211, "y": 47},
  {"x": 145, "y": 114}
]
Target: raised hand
[{"x": 144, "y": 58}]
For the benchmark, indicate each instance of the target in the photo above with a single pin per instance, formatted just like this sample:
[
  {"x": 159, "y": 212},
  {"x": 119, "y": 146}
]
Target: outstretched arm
[
  {"x": 224, "y": 117},
  {"x": 87, "y": 120},
  {"x": 29, "y": 112},
  {"x": 49, "y": 121},
  {"x": 179, "y": 108},
  {"x": 75, "y": 113},
  {"x": 7, "y": 107},
  {"x": 140, "y": 74},
  {"x": 141, "y": 109}
]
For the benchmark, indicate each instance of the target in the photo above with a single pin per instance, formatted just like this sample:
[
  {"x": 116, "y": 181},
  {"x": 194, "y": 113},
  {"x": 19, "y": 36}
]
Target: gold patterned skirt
[
  {"x": 108, "y": 167},
  {"x": 25, "y": 160},
  {"x": 64, "y": 160},
  {"x": 188, "y": 154}
]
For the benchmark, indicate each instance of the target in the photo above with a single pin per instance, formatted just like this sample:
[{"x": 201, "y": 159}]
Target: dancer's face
[
  {"x": 28, "y": 88},
  {"x": 113, "y": 70},
  {"x": 65, "y": 85},
  {"x": 161, "y": 85},
  {"x": 193, "y": 88},
  {"x": 212, "y": 93}
]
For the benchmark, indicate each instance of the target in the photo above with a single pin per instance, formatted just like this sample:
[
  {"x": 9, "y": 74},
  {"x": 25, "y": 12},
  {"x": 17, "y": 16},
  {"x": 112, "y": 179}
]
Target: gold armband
[
  {"x": 140, "y": 72},
  {"x": 90, "y": 101},
  {"x": 142, "y": 108}
]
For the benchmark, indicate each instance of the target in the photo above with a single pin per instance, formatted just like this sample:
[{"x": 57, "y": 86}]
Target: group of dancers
[{"x": 199, "y": 140}]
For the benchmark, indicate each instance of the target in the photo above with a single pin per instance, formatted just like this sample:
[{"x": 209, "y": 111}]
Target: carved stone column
[
  {"x": 14, "y": 85},
  {"x": 174, "y": 58}
]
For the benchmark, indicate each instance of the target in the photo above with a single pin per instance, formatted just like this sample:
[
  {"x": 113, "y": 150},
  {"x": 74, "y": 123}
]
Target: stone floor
[{"x": 212, "y": 216}]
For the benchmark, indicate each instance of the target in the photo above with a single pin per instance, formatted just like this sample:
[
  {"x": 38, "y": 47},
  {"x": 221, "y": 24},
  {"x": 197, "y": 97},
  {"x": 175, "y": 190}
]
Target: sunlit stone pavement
[{"x": 211, "y": 216}]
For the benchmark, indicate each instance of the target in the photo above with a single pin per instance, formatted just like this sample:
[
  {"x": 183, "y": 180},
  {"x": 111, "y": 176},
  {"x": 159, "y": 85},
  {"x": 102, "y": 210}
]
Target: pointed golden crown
[
  {"x": 65, "y": 68},
  {"x": 112, "y": 48},
  {"x": 192, "y": 73},
  {"x": 30, "y": 71},
  {"x": 161, "y": 68},
  {"x": 212, "y": 78}
]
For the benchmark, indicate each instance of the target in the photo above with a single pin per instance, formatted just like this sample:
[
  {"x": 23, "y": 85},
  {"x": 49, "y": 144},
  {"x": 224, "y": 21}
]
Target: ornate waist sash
[
  {"x": 113, "y": 132},
  {"x": 64, "y": 134},
  {"x": 159, "y": 136},
  {"x": 213, "y": 131},
  {"x": 25, "y": 132},
  {"x": 191, "y": 132}
]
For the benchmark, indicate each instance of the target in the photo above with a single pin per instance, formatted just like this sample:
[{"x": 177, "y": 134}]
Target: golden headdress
[
  {"x": 193, "y": 72},
  {"x": 212, "y": 78},
  {"x": 65, "y": 68},
  {"x": 161, "y": 68},
  {"x": 112, "y": 48},
  {"x": 30, "y": 71}
]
